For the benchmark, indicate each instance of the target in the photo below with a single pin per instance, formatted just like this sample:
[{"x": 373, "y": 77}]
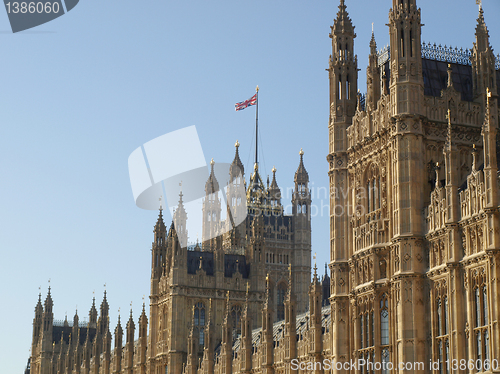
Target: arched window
[
  {"x": 236, "y": 318},
  {"x": 485, "y": 306},
  {"x": 439, "y": 318},
  {"x": 384, "y": 332},
  {"x": 384, "y": 321},
  {"x": 280, "y": 310},
  {"x": 477, "y": 303},
  {"x": 339, "y": 90},
  {"x": 445, "y": 315},
  {"x": 481, "y": 319},
  {"x": 199, "y": 321}
]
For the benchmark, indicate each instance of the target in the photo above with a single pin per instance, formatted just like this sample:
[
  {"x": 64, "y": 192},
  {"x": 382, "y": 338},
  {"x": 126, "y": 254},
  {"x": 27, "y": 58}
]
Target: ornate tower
[
  {"x": 211, "y": 210},
  {"x": 406, "y": 85},
  {"x": 372, "y": 77},
  {"x": 343, "y": 76},
  {"x": 301, "y": 211},
  {"x": 483, "y": 62}
]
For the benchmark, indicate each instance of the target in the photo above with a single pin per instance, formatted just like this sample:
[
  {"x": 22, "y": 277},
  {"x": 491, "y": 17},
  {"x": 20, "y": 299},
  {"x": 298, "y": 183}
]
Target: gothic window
[
  {"x": 347, "y": 88},
  {"x": 199, "y": 321},
  {"x": 339, "y": 90},
  {"x": 481, "y": 322},
  {"x": 384, "y": 332},
  {"x": 238, "y": 201},
  {"x": 304, "y": 209},
  {"x": 366, "y": 334},
  {"x": 236, "y": 318},
  {"x": 445, "y": 312},
  {"x": 441, "y": 312},
  {"x": 280, "y": 310},
  {"x": 402, "y": 43}
]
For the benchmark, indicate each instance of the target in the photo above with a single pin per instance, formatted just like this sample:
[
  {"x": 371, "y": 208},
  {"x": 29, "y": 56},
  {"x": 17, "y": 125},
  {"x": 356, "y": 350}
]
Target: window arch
[
  {"x": 384, "y": 331},
  {"x": 480, "y": 317},
  {"x": 280, "y": 307},
  {"x": 199, "y": 321},
  {"x": 236, "y": 318}
]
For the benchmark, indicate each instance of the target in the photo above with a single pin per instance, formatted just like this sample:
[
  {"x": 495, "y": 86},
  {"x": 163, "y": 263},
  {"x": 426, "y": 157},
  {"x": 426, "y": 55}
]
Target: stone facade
[{"x": 415, "y": 239}]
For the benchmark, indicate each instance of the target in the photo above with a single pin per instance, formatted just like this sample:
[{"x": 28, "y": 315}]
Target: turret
[
  {"x": 343, "y": 74},
  {"x": 451, "y": 155},
  {"x": 37, "y": 324},
  {"x": 143, "y": 341},
  {"x": 106, "y": 350},
  {"x": 301, "y": 200},
  {"x": 372, "y": 77},
  {"x": 226, "y": 347},
  {"x": 129, "y": 346},
  {"x": 267, "y": 331},
  {"x": 483, "y": 62},
  {"x": 180, "y": 222},
  {"x": 158, "y": 252},
  {"x": 406, "y": 84},
  {"x": 274, "y": 194},
  {"x": 290, "y": 321},
  {"x": 118, "y": 347},
  {"x": 246, "y": 339},
  {"x": 93, "y": 314},
  {"x": 211, "y": 210},
  {"x": 86, "y": 353},
  {"x": 103, "y": 317},
  {"x": 208, "y": 351},
  {"x": 236, "y": 194},
  {"x": 315, "y": 297}
]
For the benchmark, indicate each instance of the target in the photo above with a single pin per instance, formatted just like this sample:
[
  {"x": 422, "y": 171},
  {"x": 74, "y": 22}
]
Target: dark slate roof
[
  {"x": 231, "y": 262},
  {"x": 67, "y": 330},
  {"x": 280, "y": 220},
  {"x": 193, "y": 259},
  {"x": 435, "y": 74}
]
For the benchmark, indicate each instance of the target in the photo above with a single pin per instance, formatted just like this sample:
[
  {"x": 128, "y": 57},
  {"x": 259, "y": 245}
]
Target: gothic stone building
[
  {"x": 249, "y": 263},
  {"x": 415, "y": 239}
]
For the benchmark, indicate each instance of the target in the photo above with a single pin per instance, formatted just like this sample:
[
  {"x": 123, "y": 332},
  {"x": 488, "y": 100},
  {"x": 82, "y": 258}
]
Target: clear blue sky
[{"x": 79, "y": 94}]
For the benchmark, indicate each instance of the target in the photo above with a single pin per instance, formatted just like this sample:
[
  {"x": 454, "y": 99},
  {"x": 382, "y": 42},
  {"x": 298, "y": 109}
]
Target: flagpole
[{"x": 257, "y": 126}]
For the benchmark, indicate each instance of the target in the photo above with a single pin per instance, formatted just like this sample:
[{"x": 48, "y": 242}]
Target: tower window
[
  {"x": 402, "y": 43},
  {"x": 199, "y": 321},
  {"x": 236, "y": 318},
  {"x": 280, "y": 310},
  {"x": 339, "y": 90}
]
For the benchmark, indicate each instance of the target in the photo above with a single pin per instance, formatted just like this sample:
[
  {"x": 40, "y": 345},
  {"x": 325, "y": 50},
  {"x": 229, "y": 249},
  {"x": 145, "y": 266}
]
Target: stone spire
[
  {"x": 301, "y": 175},
  {"x": 483, "y": 62},
  {"x": 236, "y": 167},
  {"x": 93, "y": 313},
  {"x": 274, "y": 192},
  {"x": 118, "y": 346},
  {"x": 372, "y": 77}
]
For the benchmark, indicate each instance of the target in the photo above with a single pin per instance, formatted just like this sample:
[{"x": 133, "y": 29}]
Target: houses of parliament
[{"x": 413, "y": 282}]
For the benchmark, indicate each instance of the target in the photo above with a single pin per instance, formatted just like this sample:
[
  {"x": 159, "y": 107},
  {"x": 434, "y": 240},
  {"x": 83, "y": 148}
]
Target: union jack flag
[{"x": 244, "y": 104}]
